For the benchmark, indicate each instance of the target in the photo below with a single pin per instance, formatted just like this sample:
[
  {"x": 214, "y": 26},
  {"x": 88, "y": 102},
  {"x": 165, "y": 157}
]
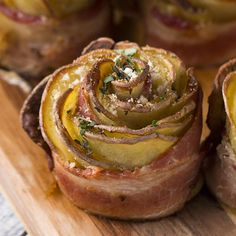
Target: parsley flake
[
  {"x": 154, "y": 123},
  {"x": 85, "y": 144},
  {"x": 85, "y": 124},
  {"x": 127, "y": 51},
  {"x": 82, "y": 131},
  {"x": 106, "y": 81}
]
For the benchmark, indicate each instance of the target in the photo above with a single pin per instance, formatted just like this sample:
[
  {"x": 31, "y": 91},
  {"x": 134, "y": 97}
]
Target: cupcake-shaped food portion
[{"x": 123, "y": 124}]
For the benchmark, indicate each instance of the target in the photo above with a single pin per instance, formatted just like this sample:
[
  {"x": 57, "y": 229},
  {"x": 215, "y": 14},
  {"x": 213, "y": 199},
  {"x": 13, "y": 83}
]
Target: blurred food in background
[
  {"x": 128, "y": 22},
  {"x": 201, "y": 32},
  {"x": 38, "y": 36}
]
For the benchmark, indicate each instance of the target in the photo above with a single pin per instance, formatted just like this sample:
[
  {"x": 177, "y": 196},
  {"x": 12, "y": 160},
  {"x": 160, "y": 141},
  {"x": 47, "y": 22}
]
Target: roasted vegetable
[{"x": 122, "y": 114}]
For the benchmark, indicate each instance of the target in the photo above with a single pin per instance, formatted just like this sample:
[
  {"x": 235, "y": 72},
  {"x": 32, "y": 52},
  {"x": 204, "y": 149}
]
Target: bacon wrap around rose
[
  {"x": 201, "y": 32},
  {"x": 123, "y": 123},
  {"x": 220, "y": 168},
  {"x": 36, "y": 37}
]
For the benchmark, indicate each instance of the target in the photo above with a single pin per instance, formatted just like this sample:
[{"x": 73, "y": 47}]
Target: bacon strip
[{"x": 153, "y": 191}]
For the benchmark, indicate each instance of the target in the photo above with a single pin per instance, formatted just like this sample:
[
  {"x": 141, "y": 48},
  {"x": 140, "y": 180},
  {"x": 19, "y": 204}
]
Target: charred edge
[
  {"x": 106, "y": 43},
  {"x": 30, "y": 119}
]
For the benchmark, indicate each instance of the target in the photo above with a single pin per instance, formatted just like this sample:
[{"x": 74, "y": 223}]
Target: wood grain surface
[{"x": 32, "y": 191}]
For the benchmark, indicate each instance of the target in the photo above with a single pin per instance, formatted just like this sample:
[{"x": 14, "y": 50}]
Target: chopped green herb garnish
[
  {"x": 85, "y": 144},
  {"x": 108, "y": 79},
  {"x": 85, "y": 124},
  {"x": 117, "y": 60},
  {"x": 92, "y": 123},
  {"x": 130, "y": 51},
  {"x": 130, "y": 62},
  {"x": 127, "y": 51},
  {"x": 154, "y": 123},
  {"x": 82, "y": 131}
]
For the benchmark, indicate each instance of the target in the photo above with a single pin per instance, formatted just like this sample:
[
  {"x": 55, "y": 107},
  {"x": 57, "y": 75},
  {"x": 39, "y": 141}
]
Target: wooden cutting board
[{"x": 29, "y": 186}]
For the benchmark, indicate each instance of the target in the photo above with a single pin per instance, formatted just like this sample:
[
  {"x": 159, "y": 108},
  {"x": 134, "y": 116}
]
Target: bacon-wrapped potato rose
[
  {"x": 36, "y": 37},
  {"x": 220, "y": 167},
  {"x": 201, "y": 32},
  {"x": 123, "y": 124}
]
